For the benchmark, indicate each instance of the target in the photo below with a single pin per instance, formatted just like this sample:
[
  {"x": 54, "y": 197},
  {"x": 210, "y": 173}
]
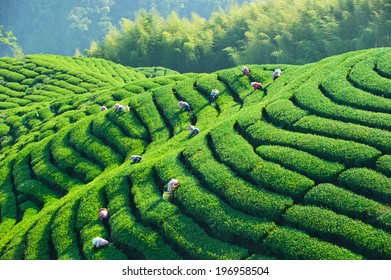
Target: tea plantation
[{"x": 298, "y": 170}]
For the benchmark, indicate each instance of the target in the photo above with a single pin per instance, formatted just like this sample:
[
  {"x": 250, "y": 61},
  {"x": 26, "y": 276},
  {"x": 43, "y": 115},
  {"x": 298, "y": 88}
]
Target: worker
[
  {"x": 193, "y": 130},
  {"x": 256, "y": 85},
  {"x": 184, "y": 106},
  {"x": 276, "y": 74},
  {"x": 103, "y": 108},
  {"x": 169, "y": 189},
  {"x": 136, "y": 159},
  {"x": 245, "y": 70},
  {"x": 100, "y": 242},
  {"x": 119, "y": 108},
  {"x": 213, "y": 96},
  {"x": 103, "y": 215}
]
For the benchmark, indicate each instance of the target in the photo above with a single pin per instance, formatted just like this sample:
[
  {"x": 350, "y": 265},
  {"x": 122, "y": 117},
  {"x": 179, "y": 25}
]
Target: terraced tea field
[{"x": 298, "y": 170}]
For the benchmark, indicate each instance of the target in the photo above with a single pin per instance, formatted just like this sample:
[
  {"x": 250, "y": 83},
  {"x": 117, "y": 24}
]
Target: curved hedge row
[
  {"x": 353, "y": 234},
  {"x": 178, "y": 228},
  {"x": 383, "y": 65},
  {"x": 207, "y": 83},
  {"x": 89, "y": 226},
  {"x": 198, "y": 102},
  {"x": 12, "y": 76},
  {"x": 203, "y": 206},
  {"x": 64, "y": 234},
  {"x": 47, "y": 172},
  {"x": 239, "y": 193},
  {"x": 302, "y": 162},
  {"x": 239, "y": 155},
  {"x": 39, "y": 239},
  {"x": 348, "y": 152},
  {"x": 363, "y": 76},
  {"x": 103, "y": 128},
  {"x": 367, "y": 182},
  {"x": 146, "y": 110},
  {"x": 69, "y": 160},
  {"x": 236, "y": 82},
  {"x": 350, "y": 204},
  {"x": 284, "y": 112},
  {"x": 383, "y": 165},
  {"x": 8, "y": 200},
  {"x": 129, "y": 124},
  {"x": 341, "y": 91},
  {"x": 292, "y": 244},
  {"x": 374, "y": 137},
  {"x": 312, "y": 99},
  {"x": 168, "y": 106},
  {"x": 87, "y": 144},
  {"x": 127, "y": 231}
]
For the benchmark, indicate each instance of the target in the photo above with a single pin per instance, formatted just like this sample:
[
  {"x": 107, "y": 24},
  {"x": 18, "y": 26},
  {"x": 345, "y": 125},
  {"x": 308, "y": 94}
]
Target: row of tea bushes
[
  {"x": 348, "y": 152},
  {"x": 350, "y": 204},
  {"x": 232, "y": 149},
  {"x": 347, "y": 232},
  {"x": 239, "y": 193}
]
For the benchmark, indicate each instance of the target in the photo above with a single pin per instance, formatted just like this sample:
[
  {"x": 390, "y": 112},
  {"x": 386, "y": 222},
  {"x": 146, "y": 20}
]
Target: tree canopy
[
  {"x": 60, "y": 27},
  {"x": 278, "y": 31}
]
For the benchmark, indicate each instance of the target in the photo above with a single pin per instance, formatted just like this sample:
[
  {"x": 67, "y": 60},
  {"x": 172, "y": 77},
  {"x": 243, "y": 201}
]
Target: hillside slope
[{"x": 299, "y": 170}]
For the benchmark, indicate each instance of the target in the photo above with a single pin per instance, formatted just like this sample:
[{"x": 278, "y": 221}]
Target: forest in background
[
  {"x": 278, "y": 31},
  {"x": 60, "y": 27},
  {"x": 196, "y": 36}
]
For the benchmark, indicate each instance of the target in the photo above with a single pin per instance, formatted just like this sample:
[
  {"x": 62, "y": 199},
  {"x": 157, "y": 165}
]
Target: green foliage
[
  {"x": 341, "y": 229},
  {"x": 68, "y": 160},
  {"x": 8, "y": 203},
  {"x": 12, "y": 76},
  {"x": 371, "y": 136},
  {"x": 234, "y": 151},
  {"x": 86, "y": 143},
  {"x": 350, "y": 204},
  {"x": 278, "y": 32},
  {"x": 38, "y": 247},
  {"x": 383, "y": 66},
  {"x": 367, "y": 182},
  {"x": 166, "y": 102},
  {"x": 249, "y": 181},
  {"x": 16, "y": 86},
  {"x": 239, "y": 193},
  {"x": 196, "y": 243},
  {"x": 106, "y": 130},
  {"x": 384, "y": 165},
  {"x": 317, "y": 103},
  {"x": 285, "y": 113},
  {"x": 238, "y": 84},
  {"x": 145, "y": 109},
  {"x": 202, "y": 205},
  {"x": 64, "y": 233},
  {"x": 226, "y": 102},
  {"x": 347, "y": 152},
  {"x": 89, "y": 227},
  {"x": 37, "y": 190},
  {"x": 129, "y": 124},
  {"x": 292, "y": 244},
  {"x": 127, "y": 231},
  {"x": 363, "y": 76},
  {"x": 4, "y": 129},
  {"x": 8, "y": 105},
  {"x": 46, "y": 171},
  {"x": 301, "y": 162},
  {"x": 336, "y": 89}
]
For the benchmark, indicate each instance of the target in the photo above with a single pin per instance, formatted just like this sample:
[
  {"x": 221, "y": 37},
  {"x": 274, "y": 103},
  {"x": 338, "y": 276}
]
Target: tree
[{"x": 9, "y": 40}]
